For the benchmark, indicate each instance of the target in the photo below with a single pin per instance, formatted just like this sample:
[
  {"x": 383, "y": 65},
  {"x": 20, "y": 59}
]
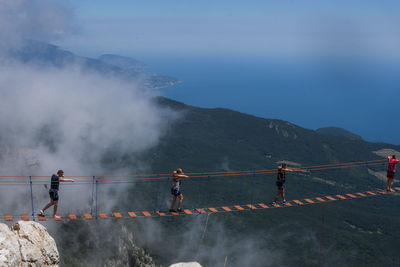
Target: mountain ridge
[
  {"x": 337, "y": 131},
  {"x": 51, "y": 55}
]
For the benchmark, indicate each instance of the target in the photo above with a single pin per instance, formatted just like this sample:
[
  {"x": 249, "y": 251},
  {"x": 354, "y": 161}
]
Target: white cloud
[{"x": 44, "y": 20}]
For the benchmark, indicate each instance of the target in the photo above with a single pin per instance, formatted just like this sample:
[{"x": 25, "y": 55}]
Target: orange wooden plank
[
  {"x": 8, "y": 217},
  {"x": 361, "y": 194},
  {"x": 41, "y": 218},
  {"x": 238, "y": 207},
  {"x": 87, "y": 216},
  {"x": 162, "y": 214},
  {"x": 102, "y": 215},
  {"x": 57, "y": 218},
  {"x": 381, "y": 192},
  {"x": 351, "y": 195},
  {"x": 72, "y": 216},
  {"x": 331, "y": 198},
  {"x": 341, "y": 197},
  {"x": 320, "y": 199},
  {"x": 287, "y": 204},
  {"x": 201, "y": 211},
  {"x": 251, "y": 206},
  {"x": 117, "y": 214},
  {"x": 213, "y": 210},
  {"x": 298, "y": 202},
  {"x": 146, "y": 213},
  {"x": 25, "y": 217},
  {"x": 188, "y": 212},
  {"x": 309, "y": 200},
  {"x": 370, "y": 193},
  {"x": 262, "y": 205},
  {"x": 226, "y": 208},
  {"x": 397, "y": 188},
  {"x": 276, "y": 205},
  {"x": 132, "y": 214}
]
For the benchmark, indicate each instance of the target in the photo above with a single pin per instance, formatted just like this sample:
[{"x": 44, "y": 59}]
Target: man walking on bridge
[
  {"x": 53, "y": 192},
  {"x": 280, "y": 182}
]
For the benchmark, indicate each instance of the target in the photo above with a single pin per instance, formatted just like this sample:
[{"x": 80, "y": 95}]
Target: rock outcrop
[
  {"x": 186, "y": 264},
  {"x": 27, "y": 244}
]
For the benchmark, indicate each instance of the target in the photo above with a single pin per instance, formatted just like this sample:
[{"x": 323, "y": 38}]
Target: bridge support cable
[
  {"x": 163, "y": 194},
  {"x": 253, "y": 178},
  {"x": 96, "y": 210},
  {"x": 33, "y": 208},
  {"x": 322, "y": 235},
  {"x": 157, "y": 193},
  {"x": 92, "y": 200}
]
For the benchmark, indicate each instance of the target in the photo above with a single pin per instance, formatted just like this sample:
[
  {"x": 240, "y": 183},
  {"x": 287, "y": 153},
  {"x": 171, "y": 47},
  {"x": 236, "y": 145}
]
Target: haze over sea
[{"x": 359, "y": 95}]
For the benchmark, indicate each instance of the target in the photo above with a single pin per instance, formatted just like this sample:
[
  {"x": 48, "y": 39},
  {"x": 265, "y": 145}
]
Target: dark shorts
[
  {"x": 280, "y": 185},
  {"x": 390, "y": 174},
  {"x": 53, "y": 195},
  {"x": 175, "y": 192}
]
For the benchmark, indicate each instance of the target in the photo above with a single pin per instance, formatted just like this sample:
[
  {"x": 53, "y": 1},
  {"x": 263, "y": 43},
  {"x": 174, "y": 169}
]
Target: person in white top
[{"x": 176, "y": 189}]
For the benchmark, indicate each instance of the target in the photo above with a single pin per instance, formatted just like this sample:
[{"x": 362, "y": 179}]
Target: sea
[{"x": 358, "y": 94}]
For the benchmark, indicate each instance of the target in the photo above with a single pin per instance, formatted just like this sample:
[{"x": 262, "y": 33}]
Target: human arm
[
  {"x": 287, "y": 170},
  {"x": 300, "y": 170},
  {"x": 66, "y": 180},
  {"x": 181, "y": 176}
]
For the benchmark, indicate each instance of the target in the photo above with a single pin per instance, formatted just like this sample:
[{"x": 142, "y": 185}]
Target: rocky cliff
[
  {"x": 27, "y": 244},
  {"x": 186, "y": 264}
]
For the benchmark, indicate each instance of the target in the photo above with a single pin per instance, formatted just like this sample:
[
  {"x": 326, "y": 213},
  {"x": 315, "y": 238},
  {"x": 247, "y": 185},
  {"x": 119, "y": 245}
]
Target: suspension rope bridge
[{"x": 131, "y": 178}]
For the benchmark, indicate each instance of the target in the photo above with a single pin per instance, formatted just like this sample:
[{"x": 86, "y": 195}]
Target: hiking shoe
[
  {"x": 180, "y": 210},
  {"x": 41, "y": 213},
  {"x": 57, "y": 217},
  {"x": 172, "y": 210},
  {"x": 273, "y": 203},
  {"x": 284, "y": 201}
]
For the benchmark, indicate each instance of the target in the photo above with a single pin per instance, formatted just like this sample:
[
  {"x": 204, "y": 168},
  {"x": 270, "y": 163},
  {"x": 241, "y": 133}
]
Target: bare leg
[
  {"x": 278, "y": 194},
  {"x": 173, "y": 202},
  {"x": 180, "y": 201},
  {"x": 55, "y": 208},
  {"x": 283, "y": 195},
  {"x": 47, "y": 206},
  {"x": 389, "y": 184}
]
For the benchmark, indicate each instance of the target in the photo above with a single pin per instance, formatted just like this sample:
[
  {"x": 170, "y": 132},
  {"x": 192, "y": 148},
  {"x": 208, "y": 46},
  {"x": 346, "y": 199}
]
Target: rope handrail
[
  {"x": 206, "y": 175},
  {"x": 196, "y": 173}
]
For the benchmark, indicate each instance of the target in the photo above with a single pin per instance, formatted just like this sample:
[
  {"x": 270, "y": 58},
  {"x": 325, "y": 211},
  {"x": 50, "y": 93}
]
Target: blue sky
[
  {"x": 283, "y": 27},
  {"x": 335, "y": 61}
]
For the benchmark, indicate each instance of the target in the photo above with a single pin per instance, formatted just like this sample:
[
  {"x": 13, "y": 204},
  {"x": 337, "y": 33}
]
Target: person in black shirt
[
  {"x": 53, "y": 192},
  {"x": 280, "y": 182}
]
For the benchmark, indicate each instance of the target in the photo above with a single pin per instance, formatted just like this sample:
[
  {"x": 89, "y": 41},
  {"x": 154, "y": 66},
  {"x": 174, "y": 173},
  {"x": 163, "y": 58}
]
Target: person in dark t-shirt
[
  {"x": 281, "y": 179},
  {"x": 53, "y": 192},
  {"x": 280, "y": 182}
]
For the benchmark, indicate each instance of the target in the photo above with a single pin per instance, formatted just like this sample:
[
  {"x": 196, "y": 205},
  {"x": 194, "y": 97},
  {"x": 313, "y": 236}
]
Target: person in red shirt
[{"x": 391, "y": 170}]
